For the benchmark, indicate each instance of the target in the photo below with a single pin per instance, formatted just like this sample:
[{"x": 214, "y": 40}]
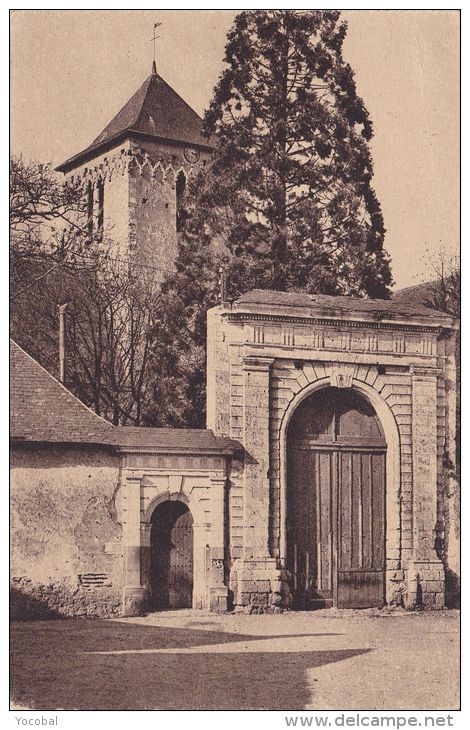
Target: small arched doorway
[
  {"x": 336, "y": 502},
  {"x": 171, "y": 556}
]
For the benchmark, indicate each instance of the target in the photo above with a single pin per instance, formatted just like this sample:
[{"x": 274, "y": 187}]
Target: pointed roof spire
[
  {"x": 153, "y": 40},
  {"x": 155, "y": 111}
]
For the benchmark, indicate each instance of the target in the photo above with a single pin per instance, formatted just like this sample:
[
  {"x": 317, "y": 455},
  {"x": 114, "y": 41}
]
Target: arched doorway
[
  {"x": 171, "y": 556},
  {"x": 336, "y": 501}
]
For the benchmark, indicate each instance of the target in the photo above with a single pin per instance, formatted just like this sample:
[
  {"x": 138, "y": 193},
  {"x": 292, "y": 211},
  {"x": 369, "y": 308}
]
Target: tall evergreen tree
[
  {"x": 289, "y": 187},
  {"x": 287, "y": 197}
]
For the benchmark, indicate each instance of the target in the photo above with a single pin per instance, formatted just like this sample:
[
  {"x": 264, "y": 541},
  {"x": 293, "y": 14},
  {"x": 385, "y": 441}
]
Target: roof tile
[{"x": 42, "y": 409}]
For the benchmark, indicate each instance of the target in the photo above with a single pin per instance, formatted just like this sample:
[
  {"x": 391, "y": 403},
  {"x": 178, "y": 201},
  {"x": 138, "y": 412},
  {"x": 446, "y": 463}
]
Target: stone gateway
[
  {"x": 322, "y": 479},
  {"x": 325, "y": 476},
  {"x": 346, "y": 412}
]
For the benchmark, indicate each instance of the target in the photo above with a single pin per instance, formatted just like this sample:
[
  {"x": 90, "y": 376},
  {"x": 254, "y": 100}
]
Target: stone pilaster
[
  {"x": 218, "y": 591},
  {"x": 200, "y": 568},
  {"x": 258, "y": 578},
  {"x": 133, "y": 591},
  {"x": 145, "y": 560},
  {"x": 425, "y": 571},
  {"x": 256, "y": 443}
]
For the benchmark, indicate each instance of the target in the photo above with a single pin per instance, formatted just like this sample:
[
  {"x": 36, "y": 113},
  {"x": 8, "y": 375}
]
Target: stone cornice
[
  {"x": 424, "y": 371},
  {"x": 257, "y": 363},
  {"x": 122, "y": 161},
  {"x": 91, "y": 153},
  {"x": 331, "y": 322},
  {"x": 168, "y": 451}
]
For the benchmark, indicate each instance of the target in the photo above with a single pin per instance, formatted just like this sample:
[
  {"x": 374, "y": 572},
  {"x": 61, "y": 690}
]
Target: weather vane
[{"x": 154, "y": 39}]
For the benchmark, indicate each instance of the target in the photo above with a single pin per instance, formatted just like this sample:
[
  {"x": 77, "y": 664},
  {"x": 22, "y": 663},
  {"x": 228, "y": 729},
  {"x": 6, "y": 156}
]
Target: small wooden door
[
  {"x": 172, "y": 556},
  {"x": 336, "y": 502}
]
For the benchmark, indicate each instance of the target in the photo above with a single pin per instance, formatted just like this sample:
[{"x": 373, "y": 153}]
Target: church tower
[{"x": 135, "y": 173}]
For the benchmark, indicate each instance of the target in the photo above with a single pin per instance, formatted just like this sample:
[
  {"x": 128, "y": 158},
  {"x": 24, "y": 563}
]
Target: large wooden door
[
  {"x": 172, "y": 556},
  {"x": 336, "y": 502}
]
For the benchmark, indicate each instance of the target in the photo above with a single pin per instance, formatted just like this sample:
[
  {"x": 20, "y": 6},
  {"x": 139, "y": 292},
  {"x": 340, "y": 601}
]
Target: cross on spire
[{"x": 152, "y": 40}]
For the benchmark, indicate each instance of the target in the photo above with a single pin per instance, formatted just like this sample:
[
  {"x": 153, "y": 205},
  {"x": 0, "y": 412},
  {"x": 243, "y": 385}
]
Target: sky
[{"x": 72, "y": 70}]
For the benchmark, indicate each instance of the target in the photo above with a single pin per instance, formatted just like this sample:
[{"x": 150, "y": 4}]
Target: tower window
[
  {"x": 89, "y": 208},
  {"x": 180, "y": 190},
  {"x": 100, "y": 206}
]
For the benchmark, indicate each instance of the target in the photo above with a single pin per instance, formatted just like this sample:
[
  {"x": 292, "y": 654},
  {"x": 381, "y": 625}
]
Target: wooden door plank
[
  {"x": 356, "y": 516},
  {"x": 366, "y": 486},
  {"x": 378, "y": 510},
  {"x": 324, "y": 484},
  {"x": 344, "y": 487},
  {"x": 317, "y": 488},
  {"x": 181, "y": 562},
  {"x": 360, "y": 515},
  {"x": 360, "y": 587}
]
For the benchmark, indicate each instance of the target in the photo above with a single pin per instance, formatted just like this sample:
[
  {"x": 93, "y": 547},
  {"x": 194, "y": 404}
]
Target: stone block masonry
[
  {"x": 140, "y": 200},
  {"x": 262, "y": 589},
  {"x": 61, "y": 598}
]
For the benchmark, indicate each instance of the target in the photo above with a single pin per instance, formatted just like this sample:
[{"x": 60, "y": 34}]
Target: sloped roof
[
  {"x": 323, "y": 305},
  {"x": 417, "y": 295},
  {"x": 195, "y": 440},
  {"x": 43, "y": 410},
  {"x": 154, "y": 111}
]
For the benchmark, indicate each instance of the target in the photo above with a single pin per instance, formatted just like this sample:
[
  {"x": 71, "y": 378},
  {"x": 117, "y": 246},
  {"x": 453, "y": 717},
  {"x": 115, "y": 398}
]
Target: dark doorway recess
[
  {"x": 336, "y": 502},
  {"x": 172, "y": 556}
]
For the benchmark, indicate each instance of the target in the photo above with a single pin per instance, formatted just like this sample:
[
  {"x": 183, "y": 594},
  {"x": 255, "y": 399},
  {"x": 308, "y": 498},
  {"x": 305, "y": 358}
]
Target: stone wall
[
  {"x": 225, "y": 418},
  {"x": 140, "y": 198},
  {"x": 153, "y": 237},
  {"x": 111, "y": 170},
  {"x": 65, "y": 534},
  {"x": 449, "y": 491}
]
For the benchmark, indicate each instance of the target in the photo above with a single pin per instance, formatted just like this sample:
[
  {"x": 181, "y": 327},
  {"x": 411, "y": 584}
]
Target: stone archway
[{"x": 391, "y": 452}]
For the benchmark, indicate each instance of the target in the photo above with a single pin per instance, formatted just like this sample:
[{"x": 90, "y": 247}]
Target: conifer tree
[
  {"x": 176, "y": 381},
  {"x": 289, "y": 188}
]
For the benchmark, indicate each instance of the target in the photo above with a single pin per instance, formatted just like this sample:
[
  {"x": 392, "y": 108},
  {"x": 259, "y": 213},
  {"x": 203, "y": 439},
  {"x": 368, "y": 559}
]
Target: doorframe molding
[{"x": 392, "y": 465}]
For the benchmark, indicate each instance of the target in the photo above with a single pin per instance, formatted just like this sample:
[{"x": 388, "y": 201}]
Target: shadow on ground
[
  {"x": 51, "y": 668},
  {"x": 24, "y": 607}
]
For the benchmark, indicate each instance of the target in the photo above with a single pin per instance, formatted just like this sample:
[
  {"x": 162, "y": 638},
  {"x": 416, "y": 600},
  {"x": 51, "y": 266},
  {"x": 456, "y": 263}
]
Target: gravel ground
[{"x": 324, "y": 660}]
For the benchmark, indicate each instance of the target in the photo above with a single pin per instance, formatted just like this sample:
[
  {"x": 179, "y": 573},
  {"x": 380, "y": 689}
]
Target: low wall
[{"x": 65, "y": 536}]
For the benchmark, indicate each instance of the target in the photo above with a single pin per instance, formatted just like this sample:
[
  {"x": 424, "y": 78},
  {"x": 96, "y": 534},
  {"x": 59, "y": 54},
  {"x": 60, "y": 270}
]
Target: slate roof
[
  {"x": 43, "y": 410},
  {"x": 325, "y": 305},
  {"x": 200, "y": 440},
  {"x": 417, "y": 295},
  {"x": 154, "y": 111}
]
